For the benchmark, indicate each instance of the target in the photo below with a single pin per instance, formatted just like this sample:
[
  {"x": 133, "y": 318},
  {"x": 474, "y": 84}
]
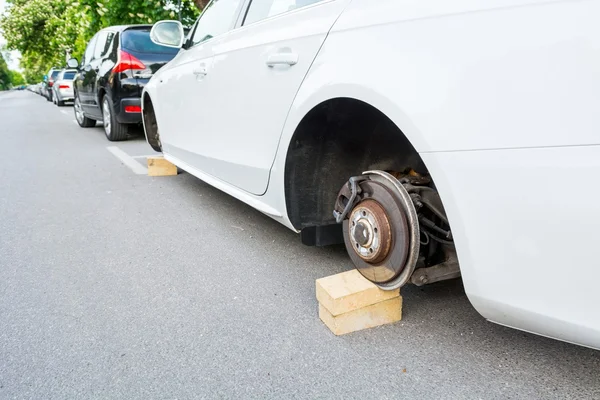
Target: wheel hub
[
  {"x": 381, "y": 227},
  {"x": 370, "y": 231}
]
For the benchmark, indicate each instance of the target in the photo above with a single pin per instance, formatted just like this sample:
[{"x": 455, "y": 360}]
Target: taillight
[
  {"x": 64, "y": 87},
  {"x": 50, "y": 83},
  {"x": 133, "y": 109},
  {"x": 126, "y": 61}
]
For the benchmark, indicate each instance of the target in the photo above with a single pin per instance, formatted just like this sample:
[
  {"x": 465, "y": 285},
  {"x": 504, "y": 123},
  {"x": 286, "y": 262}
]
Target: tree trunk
[{"x": 201, "y": 4}]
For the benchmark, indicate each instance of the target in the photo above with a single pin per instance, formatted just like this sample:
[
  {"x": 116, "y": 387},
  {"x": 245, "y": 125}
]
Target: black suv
[{"x": 117, "y": 64}]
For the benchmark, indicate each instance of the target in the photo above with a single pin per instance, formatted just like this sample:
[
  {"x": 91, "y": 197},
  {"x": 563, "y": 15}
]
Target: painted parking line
[
  {"x": 146, "y": 156},
  {"x": 129, "y": 161}
]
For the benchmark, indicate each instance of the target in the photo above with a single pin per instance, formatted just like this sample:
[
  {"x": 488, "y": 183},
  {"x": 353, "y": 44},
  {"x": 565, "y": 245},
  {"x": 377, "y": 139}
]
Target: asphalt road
[{"x": 117, "y": 285}]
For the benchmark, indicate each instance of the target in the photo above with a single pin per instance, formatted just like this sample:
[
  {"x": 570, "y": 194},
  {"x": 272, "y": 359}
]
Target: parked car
[
  {"x": 429, "y": 137},
  {"x": 63, "y": 87},
  {"x": 117, "y": 64},
  {"x": 49, "y": 82}
]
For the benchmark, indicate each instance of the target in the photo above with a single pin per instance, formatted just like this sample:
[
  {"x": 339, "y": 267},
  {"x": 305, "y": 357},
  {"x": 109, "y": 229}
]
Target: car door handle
[
  {"x": 282, "y": 59},
  {"x": 200, "y": 71}
]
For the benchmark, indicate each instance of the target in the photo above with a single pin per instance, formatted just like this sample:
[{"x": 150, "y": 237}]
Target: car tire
[
  {"x": 113, "y": 129},
  {"x": 60, "y": 103},
  {"x": 80, "y": 117}
]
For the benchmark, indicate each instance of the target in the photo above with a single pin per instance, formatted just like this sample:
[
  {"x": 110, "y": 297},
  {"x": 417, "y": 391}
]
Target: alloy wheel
[
  {"x": 78, "y": 110},
  {"x": 106, "y": 116}
]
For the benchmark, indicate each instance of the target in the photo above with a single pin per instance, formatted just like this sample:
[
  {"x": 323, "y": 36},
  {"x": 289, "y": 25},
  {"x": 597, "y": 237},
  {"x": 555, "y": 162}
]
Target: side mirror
[
  {"x": 73, "y": 63},
  {"x": 168, "y": 33}
]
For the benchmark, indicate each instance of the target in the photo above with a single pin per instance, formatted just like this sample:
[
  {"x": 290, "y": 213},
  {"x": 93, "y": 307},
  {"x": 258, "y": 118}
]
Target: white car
[
  {"x": 435, "y": 138},
  {"x": 63, "y": 87}
]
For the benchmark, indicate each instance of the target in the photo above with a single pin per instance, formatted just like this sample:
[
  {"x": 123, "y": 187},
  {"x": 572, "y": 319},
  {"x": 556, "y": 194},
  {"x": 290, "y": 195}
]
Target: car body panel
[
  {"x": 239, "y": 66},
  {"x": 534, "y": 270},
  {"x": 500, "y": 100}
]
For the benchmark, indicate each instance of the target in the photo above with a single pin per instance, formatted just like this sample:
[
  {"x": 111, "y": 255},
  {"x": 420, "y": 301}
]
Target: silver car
[{"x": 63, "y": 87}]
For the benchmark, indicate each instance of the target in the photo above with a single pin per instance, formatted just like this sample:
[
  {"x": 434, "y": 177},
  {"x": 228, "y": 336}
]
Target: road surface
[{"x": 117, "y": 285}]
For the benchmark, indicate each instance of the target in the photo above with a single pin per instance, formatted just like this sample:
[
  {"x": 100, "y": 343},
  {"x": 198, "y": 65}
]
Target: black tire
[
  {"x": 113, "y": 129},
  {"x": 60, "y": 103},
  {"x": 80, "y": 117}
]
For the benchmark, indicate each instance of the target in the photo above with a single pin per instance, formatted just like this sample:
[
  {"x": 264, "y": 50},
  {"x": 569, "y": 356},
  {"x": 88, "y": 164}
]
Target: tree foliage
[
  {"x": 4, "y": 74},
  {"x": 9, "y": 78},
  {"x": 16, "y": 78},
  {"x": 44, "y": 30}
]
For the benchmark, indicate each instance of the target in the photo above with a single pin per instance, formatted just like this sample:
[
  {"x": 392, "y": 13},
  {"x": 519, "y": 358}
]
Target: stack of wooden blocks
[
  {"x": 158, "y": 166},
  {"x": 348, "y": 302}
]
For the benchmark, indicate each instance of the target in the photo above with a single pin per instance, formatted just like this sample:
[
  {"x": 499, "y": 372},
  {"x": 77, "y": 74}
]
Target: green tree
[
  {"x": 16, "y": 78},
  {"x": 4, "y": 74},
  {"x": 44, "y": 30}
]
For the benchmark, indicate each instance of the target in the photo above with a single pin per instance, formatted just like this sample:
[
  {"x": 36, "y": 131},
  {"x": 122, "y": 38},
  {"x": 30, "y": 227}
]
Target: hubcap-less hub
[
  {"x": 381, "y": 227},
  {"x": 370, "y": 232}
]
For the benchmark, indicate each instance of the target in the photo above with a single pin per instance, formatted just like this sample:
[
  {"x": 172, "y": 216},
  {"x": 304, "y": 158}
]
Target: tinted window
[
  {"x": 69, "y": 76},
  {"x": 261, "y": 9},
  {"x": 217, "y": 18},
  {"x": 55, "y": 74},
  {"x": 138, "y": 40}
]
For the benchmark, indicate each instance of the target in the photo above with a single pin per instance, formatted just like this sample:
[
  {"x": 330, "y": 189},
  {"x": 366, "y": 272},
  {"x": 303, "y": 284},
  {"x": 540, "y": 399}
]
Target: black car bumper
[{"x": 125, "y": 115}]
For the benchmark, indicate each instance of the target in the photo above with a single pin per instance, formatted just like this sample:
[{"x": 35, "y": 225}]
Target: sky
[{"x": 14, "y": 55}]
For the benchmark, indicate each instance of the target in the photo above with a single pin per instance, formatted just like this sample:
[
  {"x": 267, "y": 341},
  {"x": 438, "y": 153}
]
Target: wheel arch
[
  {"x": 150, "y": 123},
  {"x": 337, "y": 138}
]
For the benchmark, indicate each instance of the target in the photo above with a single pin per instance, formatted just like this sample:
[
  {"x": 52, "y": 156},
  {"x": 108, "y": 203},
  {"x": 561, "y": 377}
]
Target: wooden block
[
  {"x": 158, "y": 166},
  {"x": 350, "y": 291},
  {"x": 381, "y": 313}
]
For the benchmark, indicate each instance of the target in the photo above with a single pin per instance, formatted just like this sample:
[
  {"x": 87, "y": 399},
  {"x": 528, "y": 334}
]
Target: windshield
[
  {"x": 54, "y": 74},
  {"x": 138, "y": 40},
  {"x": 69, "y": 76}
]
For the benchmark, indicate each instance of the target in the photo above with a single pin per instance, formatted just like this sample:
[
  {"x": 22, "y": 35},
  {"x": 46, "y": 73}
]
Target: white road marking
[
  {"x": 126, "y": 159},
  {"x": 64, "y": 112},
  {"x": 152, "y": 155}
]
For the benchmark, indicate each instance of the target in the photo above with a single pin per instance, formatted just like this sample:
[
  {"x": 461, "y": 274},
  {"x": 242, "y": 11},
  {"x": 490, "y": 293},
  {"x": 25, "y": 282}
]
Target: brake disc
[{"x": 381, "y": 230}]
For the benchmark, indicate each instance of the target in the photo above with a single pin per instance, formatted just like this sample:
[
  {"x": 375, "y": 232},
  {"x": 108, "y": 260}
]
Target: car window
[
  {"x": 89, "y": 51},
  {"x": 55, "y": 74},
  {"x": 69, "y": 75},
  {"x": 217, "y": 18},
  {"x": 100, "y": 44},
  {"x": 138, "y": 40},
  {"x": 103, "y": 44},
  {"x": 261, "y": 9}
]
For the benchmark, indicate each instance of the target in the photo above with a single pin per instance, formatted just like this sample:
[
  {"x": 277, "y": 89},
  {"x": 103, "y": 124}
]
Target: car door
[
  {"x": 94, "y": 73},
  {"x": 185, "y": 102},
  {"x": 257, "y": 71},
  {"x": 85, "y": 77}
]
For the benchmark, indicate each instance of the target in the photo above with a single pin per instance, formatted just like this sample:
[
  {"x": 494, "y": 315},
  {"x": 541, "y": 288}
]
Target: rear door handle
[
  {"x": 200, "y": 71},
  {"x": 283, "y": 58}
]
